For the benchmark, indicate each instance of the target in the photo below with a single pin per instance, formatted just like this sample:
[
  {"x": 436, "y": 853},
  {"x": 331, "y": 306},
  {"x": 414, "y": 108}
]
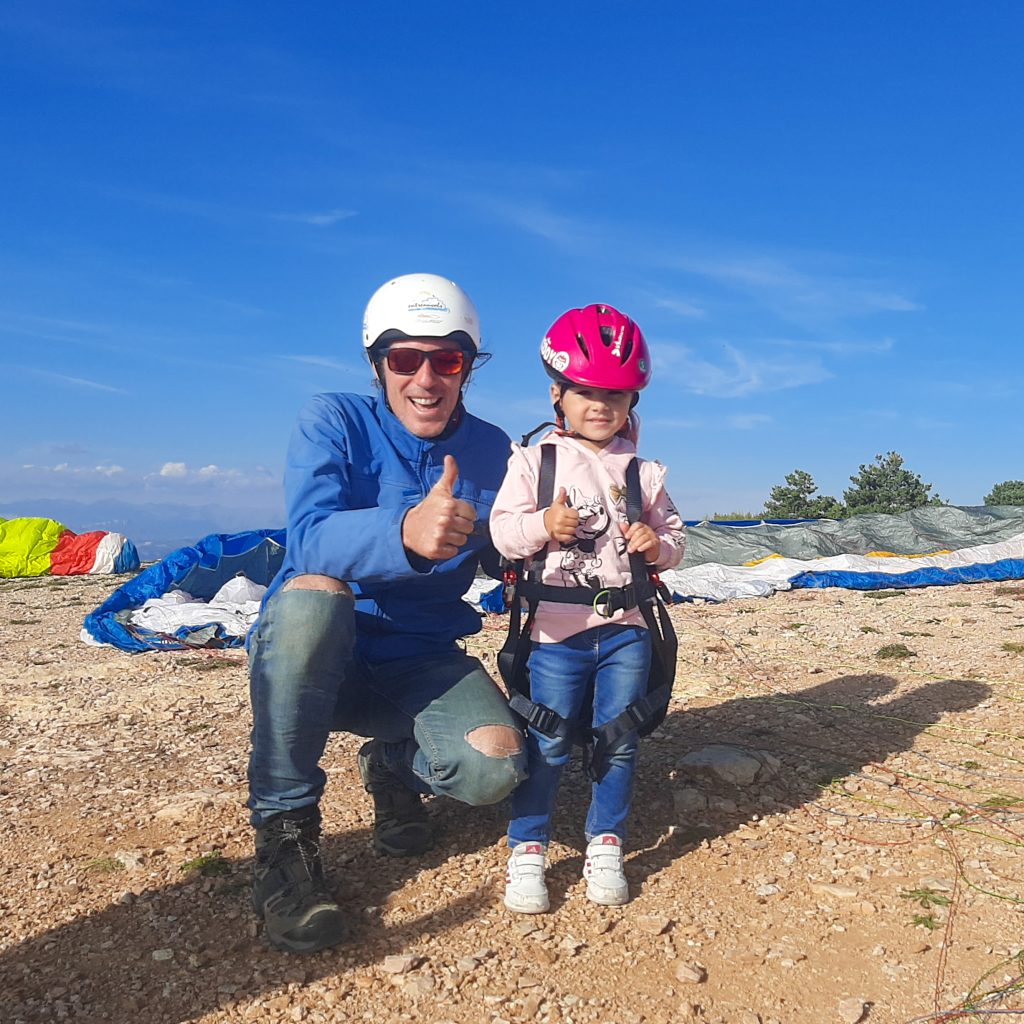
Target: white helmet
[{"x": 420, "y": 306}]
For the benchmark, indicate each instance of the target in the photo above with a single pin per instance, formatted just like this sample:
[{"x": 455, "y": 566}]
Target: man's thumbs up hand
[
  {"x": 438, "y": 526},
  {"x": 449, "y": 477},
  {"x": 561, "y": 519}
]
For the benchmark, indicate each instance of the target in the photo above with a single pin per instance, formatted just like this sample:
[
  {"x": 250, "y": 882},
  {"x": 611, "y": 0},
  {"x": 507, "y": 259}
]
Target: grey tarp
[{"x": 924, "y": 530}]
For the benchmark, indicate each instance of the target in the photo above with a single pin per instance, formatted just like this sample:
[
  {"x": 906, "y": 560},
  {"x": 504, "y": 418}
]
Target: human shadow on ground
[
  {"x": 101, "y": 967},
  {"x": 818, "y": 735}
]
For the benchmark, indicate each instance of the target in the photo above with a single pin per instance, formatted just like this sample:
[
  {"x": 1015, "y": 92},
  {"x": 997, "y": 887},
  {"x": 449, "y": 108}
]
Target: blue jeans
[
  {"x": 306, "y": 681},
  {"x": 617, "y": 659}
]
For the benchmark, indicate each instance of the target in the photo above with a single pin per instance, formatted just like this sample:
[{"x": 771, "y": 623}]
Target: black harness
[{"x": 646, "y": 592}]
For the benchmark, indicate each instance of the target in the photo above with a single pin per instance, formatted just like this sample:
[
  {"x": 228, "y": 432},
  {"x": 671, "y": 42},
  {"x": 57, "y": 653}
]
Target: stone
[
  {"x": 851, "y": 1010},
  {"x": 687, "y": 800},
  {"x": 730, "y": 764},
  {"x": 840, "y": 892},
  {"x": 690, "y": 973},
  {"x": 653, "y": 925},
  {"x": 400, "y": 963},
  {"x": 421, "y": 985},
  {"x": 531, "y": 1005}
]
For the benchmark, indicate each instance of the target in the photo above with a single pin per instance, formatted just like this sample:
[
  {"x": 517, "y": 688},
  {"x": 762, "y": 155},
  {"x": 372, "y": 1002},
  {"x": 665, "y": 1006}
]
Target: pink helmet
[{"x": 599, "y": 347}]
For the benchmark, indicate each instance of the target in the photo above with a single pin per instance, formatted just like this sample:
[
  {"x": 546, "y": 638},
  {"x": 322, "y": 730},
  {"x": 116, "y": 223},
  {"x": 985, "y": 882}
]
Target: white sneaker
[
  {"x": 606, "y": 880},
  {"x": 525, "y": 888}
]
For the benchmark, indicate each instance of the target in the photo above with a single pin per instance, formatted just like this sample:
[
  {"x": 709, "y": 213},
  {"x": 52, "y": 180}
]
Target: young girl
[{"x": 599, "y": 362}]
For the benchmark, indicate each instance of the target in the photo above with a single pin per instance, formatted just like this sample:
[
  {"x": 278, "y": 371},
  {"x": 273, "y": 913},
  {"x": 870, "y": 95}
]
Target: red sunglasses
[{"x": 445, "y": 362}]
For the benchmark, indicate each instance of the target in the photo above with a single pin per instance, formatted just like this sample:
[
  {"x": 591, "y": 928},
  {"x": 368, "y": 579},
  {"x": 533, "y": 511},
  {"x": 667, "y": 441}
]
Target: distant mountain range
[{"x": 155, "y": 529}]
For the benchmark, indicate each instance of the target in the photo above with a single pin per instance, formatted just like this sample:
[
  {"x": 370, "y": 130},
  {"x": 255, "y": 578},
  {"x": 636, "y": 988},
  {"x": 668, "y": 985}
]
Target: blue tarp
[
  {"x": 1005, "y": 569},
  {"x": 201, "y": 570}
]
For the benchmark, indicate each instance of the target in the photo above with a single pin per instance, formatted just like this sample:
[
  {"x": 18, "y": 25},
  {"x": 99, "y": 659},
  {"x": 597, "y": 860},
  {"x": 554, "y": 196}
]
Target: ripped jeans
[{"x": 306, "y": 682}]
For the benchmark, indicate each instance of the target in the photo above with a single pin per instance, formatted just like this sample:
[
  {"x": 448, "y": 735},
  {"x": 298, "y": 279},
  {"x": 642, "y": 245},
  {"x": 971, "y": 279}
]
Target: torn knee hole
[
  {"x": 309, "y": 581},
  {"x": 496, "y": 740}
]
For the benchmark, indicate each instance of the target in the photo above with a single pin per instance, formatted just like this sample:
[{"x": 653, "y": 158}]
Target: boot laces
[{"x": 297, "y": 835}]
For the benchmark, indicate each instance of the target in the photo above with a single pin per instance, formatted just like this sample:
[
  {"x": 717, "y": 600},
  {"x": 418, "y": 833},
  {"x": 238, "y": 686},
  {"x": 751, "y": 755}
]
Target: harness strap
[
  {"x": 632, "y": 719},
  {"x": 540, "y": 716},
  {"x": 605, "y": 601},
  {"x": 643, "y": 593}
]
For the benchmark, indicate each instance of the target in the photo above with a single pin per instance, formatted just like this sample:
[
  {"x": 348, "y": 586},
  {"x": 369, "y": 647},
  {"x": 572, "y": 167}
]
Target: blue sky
[{"x": 813, "y": 209}]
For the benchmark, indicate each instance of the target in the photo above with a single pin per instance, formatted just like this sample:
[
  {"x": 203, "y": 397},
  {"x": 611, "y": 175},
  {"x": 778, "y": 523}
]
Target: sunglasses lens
[
  {"x": 407, "y": 361},
  {"x": 404, "y": 360},
  {"x": 446, "y": 363}
]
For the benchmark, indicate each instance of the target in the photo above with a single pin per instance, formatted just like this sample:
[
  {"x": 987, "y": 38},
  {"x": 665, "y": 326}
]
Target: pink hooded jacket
[{"x": 595, "y": 482}]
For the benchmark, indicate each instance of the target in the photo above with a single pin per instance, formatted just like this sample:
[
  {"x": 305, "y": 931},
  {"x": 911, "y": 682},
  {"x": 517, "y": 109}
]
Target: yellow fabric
[
  {"x": 26, "y": 544},
  {"x": 870, "y": 554},
  {"x": 758, "y": 561}
]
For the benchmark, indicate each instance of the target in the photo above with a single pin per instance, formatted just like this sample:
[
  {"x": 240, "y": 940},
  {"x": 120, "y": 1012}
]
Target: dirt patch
[{"x": 820, "y": 833}]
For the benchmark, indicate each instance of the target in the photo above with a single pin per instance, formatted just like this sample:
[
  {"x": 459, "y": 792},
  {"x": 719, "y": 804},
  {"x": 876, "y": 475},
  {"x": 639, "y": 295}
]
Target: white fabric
[
  {"x": 107, "y": 551},
  {"x": 715, "y": 582},
  {"x": 235, "y": 607}
]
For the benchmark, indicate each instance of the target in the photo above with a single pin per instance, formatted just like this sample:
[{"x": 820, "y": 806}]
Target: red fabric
[{"x": 75, "y": 553}]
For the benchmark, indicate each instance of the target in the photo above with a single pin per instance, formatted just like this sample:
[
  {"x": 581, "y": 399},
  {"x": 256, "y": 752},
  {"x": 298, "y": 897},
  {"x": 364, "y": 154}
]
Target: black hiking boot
[
  {"x": 400, "y": 827},
  {"x": 288, "y": 890}
]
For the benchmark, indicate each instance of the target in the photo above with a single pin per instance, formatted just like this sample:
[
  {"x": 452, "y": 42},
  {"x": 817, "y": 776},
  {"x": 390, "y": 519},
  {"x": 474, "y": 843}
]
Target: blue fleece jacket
[{"x": 353, "y": 471}]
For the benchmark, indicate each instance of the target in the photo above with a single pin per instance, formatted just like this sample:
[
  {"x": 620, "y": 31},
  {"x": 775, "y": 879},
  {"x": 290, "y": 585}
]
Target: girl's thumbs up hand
[{"x": 561, "y": 519}]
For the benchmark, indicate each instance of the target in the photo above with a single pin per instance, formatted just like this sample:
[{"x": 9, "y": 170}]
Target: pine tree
[
  {"x": 794, "y": 500},
  {"x": 1009, "y": 492},
  {"x": 886, "y": 486}
]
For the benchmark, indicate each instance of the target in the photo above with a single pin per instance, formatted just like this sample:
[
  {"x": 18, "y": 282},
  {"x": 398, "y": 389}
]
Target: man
[{"x": 385, "y": 496}]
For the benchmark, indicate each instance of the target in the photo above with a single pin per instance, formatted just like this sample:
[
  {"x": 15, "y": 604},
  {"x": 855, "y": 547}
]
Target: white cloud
[
  {"x": 678, "y": 306},
  {"x": 794, "y": 294},
  {"x": 78, "y": 382},
  {"x": 536, "y": 219},
  {"x": 836, "y": 287},
  {"x": 66, "y": 469},
  {"x": 838, "y": 348},
  {"x": 318, "y": 220},
  {"x": 748, "y": 421},
  {"x": 741, "y": 421},
  {"x": 210, "y": 477},
  {"x": 215, "y": 473},
  {"x": 737, "y": 375},
  {"x": 331, "y": 364}
]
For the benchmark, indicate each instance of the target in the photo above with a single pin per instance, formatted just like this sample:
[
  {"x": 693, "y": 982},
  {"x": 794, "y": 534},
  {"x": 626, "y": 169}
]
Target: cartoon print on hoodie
[{"x": 580, "y": 562}]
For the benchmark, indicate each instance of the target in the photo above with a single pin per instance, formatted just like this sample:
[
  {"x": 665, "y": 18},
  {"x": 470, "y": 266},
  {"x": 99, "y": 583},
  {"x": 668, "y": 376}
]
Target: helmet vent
[
  {"x": 607, "y": 336},
  {"x": 582, "y": 342},
  {"x": 627, "y": 349}
]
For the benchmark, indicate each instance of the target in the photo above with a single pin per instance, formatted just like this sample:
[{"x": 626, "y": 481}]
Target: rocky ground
[{"x": 822, "y": 833}]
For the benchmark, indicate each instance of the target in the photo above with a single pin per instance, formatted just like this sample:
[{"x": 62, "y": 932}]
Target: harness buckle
[
  {"x": 660, "y": 589},
  {"x": 509, "y": 579},
  {"x": 544, "y": 720},
  {"x": 603, "y": 604}
]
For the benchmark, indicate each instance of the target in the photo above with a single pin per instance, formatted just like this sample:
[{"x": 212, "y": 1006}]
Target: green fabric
[
  {"x": 26, "y": 544},
  {"x": 928, "y": 529}
]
